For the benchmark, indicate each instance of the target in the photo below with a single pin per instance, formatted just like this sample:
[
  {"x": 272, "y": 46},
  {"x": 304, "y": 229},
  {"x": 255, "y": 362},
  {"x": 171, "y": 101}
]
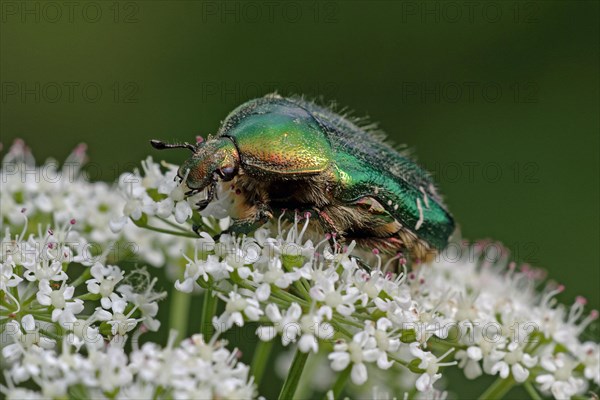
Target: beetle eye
[{"x": 227, "y": 173}]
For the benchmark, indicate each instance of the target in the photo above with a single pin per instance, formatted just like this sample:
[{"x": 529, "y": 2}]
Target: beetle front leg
[
  {"x": 329, "y": 226},
  {"x": 202, "y": 204},
  {"x": 245, "y": 226}
]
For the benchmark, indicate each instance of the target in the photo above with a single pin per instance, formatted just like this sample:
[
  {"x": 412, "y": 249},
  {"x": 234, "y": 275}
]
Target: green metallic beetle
[{"x": 287, "y": 153}]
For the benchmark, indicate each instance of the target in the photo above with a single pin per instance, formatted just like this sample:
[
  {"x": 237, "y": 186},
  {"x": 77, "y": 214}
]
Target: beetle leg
[
  {"x": 326, "y": 221},
  {"x": 196, "y": 229},
  {"x": 329, "y": 226},
  {"x": 245, "y": 226},
  {"x": 363, "y": 264},
  {"x": 192, "y": 192},
  {"x": 202, "y": 204}
]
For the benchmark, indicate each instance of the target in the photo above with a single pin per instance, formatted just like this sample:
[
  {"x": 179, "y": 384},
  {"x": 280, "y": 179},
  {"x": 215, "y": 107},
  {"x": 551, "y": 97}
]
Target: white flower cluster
[
  {"x": 469, "y": 309},
  {"x": 63, "y": 197},
  {"x": 68, "y": 316},
  {"x": 192, "y": 370},
  {"x": 65, "y": 331},
  {"x": 487, "y": 315}
]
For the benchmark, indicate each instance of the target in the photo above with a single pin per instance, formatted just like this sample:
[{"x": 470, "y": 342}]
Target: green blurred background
[{"x": 499, "y": 100}]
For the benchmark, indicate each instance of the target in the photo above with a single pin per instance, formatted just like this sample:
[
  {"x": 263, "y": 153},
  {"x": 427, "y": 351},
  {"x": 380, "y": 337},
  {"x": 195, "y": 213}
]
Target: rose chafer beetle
[{"x": 288, "y": 153}]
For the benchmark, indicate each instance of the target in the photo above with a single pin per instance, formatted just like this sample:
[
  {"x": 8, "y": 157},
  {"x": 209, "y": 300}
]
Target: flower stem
[
  {"x": 85, "y": 275},
  {"x": 209, "y": 309},
  {"x": 346, "y": 321},
  {"x": 498, "y": 389},
  {"x": 175, "y": 226},
  {"x": 301, "y": 290},
  {"x": 399, "y": 361},
  {"x": 178, "y": 316},
  {"x": 260, "y": 360},
  {"x": 293, "y": 378},
  {"x": 532, "y": 392},
  {"x": 340, "y": 382},
  {"x": 337, "y": 326},
  {"x": 286, "y": 296},
  {"x": 168, "y": 232}
]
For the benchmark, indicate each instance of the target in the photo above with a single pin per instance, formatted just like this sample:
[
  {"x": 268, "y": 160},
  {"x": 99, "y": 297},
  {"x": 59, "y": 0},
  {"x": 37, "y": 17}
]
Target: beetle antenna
[{"x": 160, "y": 145}]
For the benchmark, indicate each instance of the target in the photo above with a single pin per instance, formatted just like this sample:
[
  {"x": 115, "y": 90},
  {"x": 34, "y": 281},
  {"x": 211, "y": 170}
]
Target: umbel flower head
[{"x": 73, "y": 310}]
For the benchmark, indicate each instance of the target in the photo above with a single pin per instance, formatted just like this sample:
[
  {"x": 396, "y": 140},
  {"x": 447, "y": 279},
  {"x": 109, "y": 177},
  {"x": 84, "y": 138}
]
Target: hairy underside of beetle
[{"x": 365, "y": 220}]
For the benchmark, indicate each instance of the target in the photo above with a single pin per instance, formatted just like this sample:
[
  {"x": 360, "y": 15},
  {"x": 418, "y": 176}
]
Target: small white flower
[
  {"x": 105, "y": 278},
  {"x": 82, "y": 332},
  {"x": 24, "y": 340},
  {"x": 287, "y": 324},
  {"x": 121, "y": 323},
  {"x": 516, "y": 361},
  {"x": 145, "y": 301},
  {"x": 480, "y": 348},
  {"x": 362, "y": 348},
  {"x": 8, "y": 278},
  {"x": 44, "y": 269},
  {"x": 313, "y": 328},
  {"x": 137, "y": 200},
  {"x": 386, "y": 341},
  {"x": 341, "y": 299},
  {"x": 176, "y": 203},
  {"x": 194, "y": 269},
  {"x": 560, "y": 380},
  {"x": 589, "y": 355},
  {"x": 61, "y": 300},
  {"x": 431, "y": 366},
  {"x": 236, "y": 307},
  {"x": 293, "y": 244},
  {"x": 273, "y": 273}
]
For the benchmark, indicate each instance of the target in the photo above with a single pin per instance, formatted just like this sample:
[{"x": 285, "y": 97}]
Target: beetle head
[{"x": 212, "y": 160}]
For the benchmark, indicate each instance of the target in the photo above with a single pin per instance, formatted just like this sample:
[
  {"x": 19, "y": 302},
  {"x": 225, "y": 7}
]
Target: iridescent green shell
[
  {"x": 274, "y": 137},
  {"x": 283, "y": 136}
]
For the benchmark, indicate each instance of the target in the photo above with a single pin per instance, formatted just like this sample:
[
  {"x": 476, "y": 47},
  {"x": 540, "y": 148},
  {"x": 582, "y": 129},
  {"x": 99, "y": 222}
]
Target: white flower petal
[
  {"x": 28, "y": 323},
  {"x": 339, "y": 360},
  {"x": 187, "y": 286},
  {"x": 359, "y": 374},
  {"x": 520, "y": 373},
  {"x": 266, "y": 333},
  {"x": 263, "y": 292}
]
